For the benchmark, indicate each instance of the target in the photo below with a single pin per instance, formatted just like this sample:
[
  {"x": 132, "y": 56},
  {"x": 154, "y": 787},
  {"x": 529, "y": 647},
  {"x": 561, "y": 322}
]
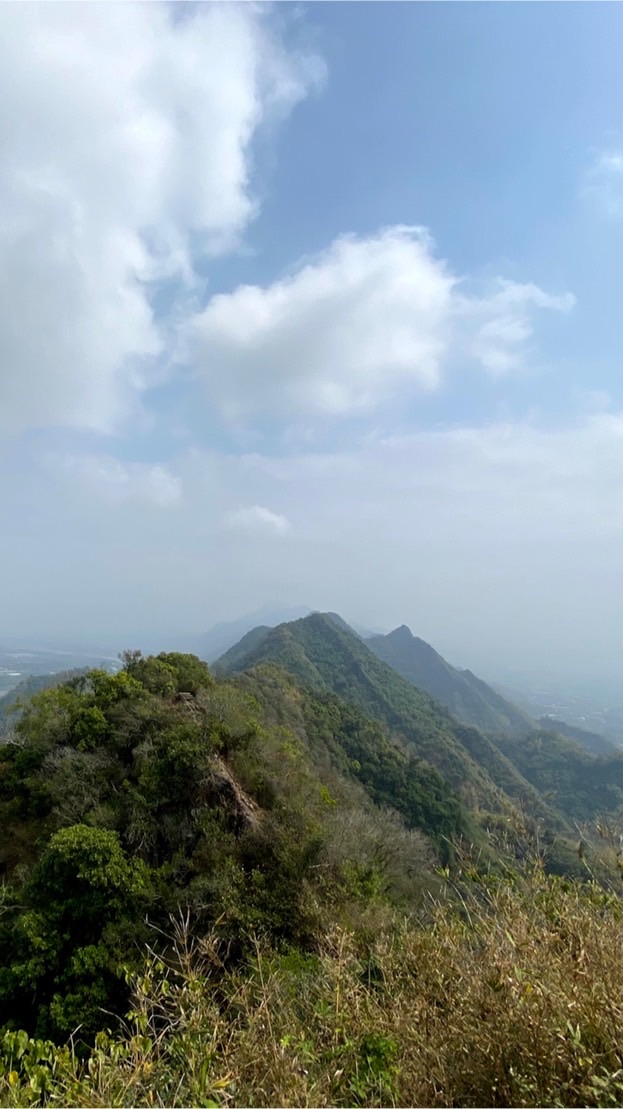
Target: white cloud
[
  {"x": 603, "y": 184},
  {"x": 368, "y": 318},
  {"x": 121, "y": 482},
  {"x": 125, "y": 148},
  {"x": 258, "y": 519},
  {"x": 500, "y": 341}
]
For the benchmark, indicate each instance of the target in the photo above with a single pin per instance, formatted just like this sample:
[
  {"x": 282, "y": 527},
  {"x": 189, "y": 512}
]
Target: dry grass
[{"x": 512, "y": 998}]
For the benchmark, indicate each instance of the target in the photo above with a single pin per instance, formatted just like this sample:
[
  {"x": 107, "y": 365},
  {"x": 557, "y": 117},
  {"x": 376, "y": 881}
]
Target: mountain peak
[
  {"x": 334, "y": 618},
  {"x": 401, "y": 634},
  {"x": 465, "y": 695}
]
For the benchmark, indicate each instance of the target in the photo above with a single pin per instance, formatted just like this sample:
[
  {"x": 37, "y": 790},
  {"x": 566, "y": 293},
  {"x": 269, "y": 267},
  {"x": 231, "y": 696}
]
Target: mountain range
[
  {"x": 219, "y": 638},
  {"x": 323, "y": 655},
  {"x": 463, "y": 742},
  {"x": 210, "y": 645},
  {"x": 510, "y": 763},
  {"x": 466, "y": 696}
]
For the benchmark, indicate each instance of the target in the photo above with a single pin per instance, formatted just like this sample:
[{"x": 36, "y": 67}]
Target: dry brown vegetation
[{"x": 509, "y": 995}]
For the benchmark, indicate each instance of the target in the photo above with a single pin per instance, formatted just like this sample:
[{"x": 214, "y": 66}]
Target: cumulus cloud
[
  {"x": 337, "y": 335},
  {"x": 368, "y": 318},
  {"x": 258, "y": 519},
  {"x": 125, "y": 150},
  {"x": 502, "y": 322}
]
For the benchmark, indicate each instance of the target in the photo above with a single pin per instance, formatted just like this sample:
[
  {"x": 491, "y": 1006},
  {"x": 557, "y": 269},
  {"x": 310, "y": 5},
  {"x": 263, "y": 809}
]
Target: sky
[{"x": 315, "y": 304}]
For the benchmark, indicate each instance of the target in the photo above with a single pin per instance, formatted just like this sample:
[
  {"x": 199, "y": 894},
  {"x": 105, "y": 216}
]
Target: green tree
[
  {"x": 77, "y": 927},
  {"x": 167, "y": 673}
]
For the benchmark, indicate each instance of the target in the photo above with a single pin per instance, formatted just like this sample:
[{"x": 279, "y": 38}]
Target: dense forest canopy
[{"x": 125, "y": 796}]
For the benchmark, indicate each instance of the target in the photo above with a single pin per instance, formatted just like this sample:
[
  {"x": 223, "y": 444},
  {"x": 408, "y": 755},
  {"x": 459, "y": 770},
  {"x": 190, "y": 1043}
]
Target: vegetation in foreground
[
  {"x": 510, "y": 995},
  {"x": 206, "y": 900}
]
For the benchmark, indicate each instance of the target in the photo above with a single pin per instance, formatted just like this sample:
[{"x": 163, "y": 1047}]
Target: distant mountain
[
  {"x": 213, "y": 643},
  {"x": 230, "y": 661},
  {"x": 341, "y": 623},
  {"x": 559, "y": 760},
  {"x": 467, "y": 697},
  {"x": 326, "y": 655}
]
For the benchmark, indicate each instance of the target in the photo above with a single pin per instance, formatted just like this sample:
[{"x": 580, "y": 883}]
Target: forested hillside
[
  {"x": 548, "y": 775},
  {"x": 284, "y": 901},
  {"x": 325, "y": 656},
  {"x": 127, "y": 796},
  {"x": 578, "y": 783},
  {"x": 593, "y": 742},
  {"x": 467, "y": 697}
]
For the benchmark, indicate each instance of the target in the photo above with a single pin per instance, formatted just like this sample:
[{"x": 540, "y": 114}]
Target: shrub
[{"x": 509, "y": 997}]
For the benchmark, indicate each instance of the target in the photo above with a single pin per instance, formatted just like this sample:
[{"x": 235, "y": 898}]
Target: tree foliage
[
  {"x": 127, "y": 796},
  {"x": 253, "y": 805}
]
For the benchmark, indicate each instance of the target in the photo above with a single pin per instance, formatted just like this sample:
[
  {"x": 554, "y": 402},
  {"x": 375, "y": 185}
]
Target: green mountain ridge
[
  {"x": 219, "y": 638},
  {"x": 228, "y": 661},
  {"x": 546, "y": 774},
  {"x": 467, "y": 697},
  {"x": 338, "y": 734},
  {"x": 326, "y": 656},
  {"x": 577, "y": 772}
]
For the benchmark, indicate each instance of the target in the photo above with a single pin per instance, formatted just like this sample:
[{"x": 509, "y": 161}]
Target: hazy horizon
[
  {"x": 319, "y": 305},
  {"x": 600, "y": 683}
]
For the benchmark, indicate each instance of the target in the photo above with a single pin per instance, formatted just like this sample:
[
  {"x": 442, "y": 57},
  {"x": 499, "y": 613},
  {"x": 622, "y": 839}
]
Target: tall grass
[{"x": 511, "y": 995}]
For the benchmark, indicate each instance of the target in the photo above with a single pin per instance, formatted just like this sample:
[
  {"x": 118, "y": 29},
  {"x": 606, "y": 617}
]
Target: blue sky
[
  {"x": 316, "y": 304},
  {"x": 481, "y": 122}
]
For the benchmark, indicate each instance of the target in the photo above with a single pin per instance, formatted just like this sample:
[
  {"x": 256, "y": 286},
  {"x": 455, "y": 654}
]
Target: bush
[
  {"x": 510, "y": 997},
  {"x": 62, "y": 954}
]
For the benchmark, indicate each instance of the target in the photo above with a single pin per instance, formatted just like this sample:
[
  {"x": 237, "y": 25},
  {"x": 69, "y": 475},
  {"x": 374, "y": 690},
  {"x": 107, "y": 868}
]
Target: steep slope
[
  {"x": 579, "y": 784},
  {"x": 338, "y": 735},
  {"x": 228, "y": 661},
  {"x": 593, "y": 742},
  {"x": 327, "y": 657},
  {"x": 160, "y": 826},
  {"x": 467, "y": 697},
  {"x": 547, "y": 774}
]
